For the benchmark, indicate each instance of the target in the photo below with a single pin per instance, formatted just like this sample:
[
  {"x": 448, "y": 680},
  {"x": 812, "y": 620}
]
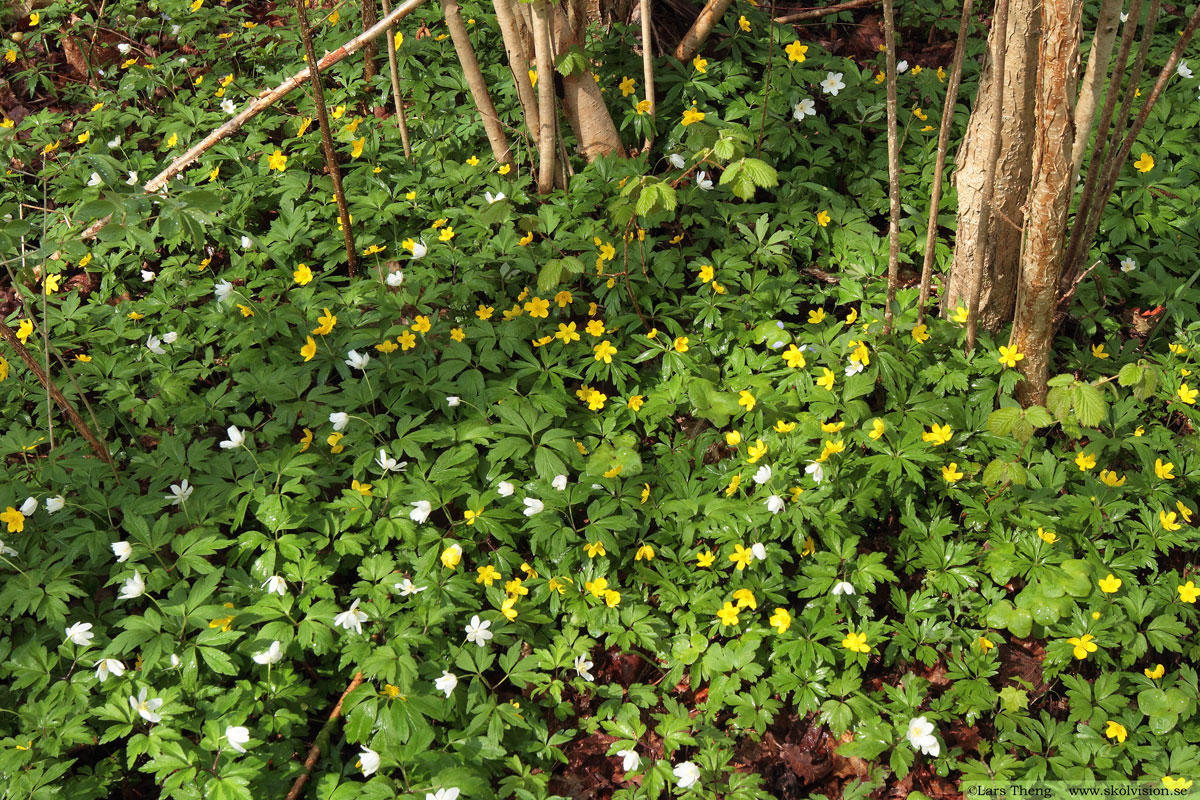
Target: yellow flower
[
  {"x": 1145, "y": 163},
  {"x": 526, "y": 239},
  {"x": 733, "y": 485},
  {"x": 1156, "y": 673},
  {"x": 1110, "y": 584},
  {"x": 746, "y": 400},
  {"x": 705, "y": 560},
  {"x": 596, "y": 587},
  {"x": 50, "y": 285},
  {"x": 733, "y": 438},
  {"x": 877, "y": 428},
  {"x": 823, "y": 219},
  {"x": 919, "y": 114},
  {"x": 277, "y": 161},
  {"x": 34, "y": 19},
  {"x": 781, "y": 620},
  {"x": 470, "y": 515},
  {"x": 1164, "y": 469},
  {"x": 728, "y": 614},
  {"x": 362, "y": 488},
  {"x": 1049, "y": 537},
  {"x": 1187, "y": 394},
  {"x": 246, "y": 310},
  {"x": 357, "y": 148},
  {"x": 1176, "y": 784},
  {"x": 1115, "y": 730},
  {"x": 784, "y": 427},
  {"x": 692, "y": 115},
  {"x": 1188, "y": 592},
  {"x": 937, "y": 434},
  {"x": 604, "y": 351},
  {"x": 1184, "y": 511},
  {"x": 458, "y": 334},
  {"x": 563, "y": 299},
  {"x": 1098, "y": 351},
  {"x": 635, "y": 402},
  {"x": 447, "y": 233},
  {"x": 701, "y": 64},
  {"x": 1084, "y": 461},
  {"x": 745, "y": 599},
  {"x": 920, "y": 333},
  {"x": 326, "y": 322},
  {"x": 626, "y": 86},
  {"x": 14, "y": 519},
  {"x": 10, "y": 56},
  {"x": 644, "y": 552},
  {"x": 827, "y": 378},
  {"x": 1009, "y": 356},
  {"x": 82, "y": 357},
  {"x": 539, "y": 308},
  {"x": 566, "y": 332},
  {"x": 796, "y": 52},
  {"x": 1110, "y": 478},
  {"x": 744, "y": 23},
  {"x": 1083, "y": 645},
  {"x": 681, "y": 344},
  {"x": 941, "y": 74},
  {"x": 960, "y": 315},
  {"x": 306, "y": 440},
  {"x": 642, "y": 107},
  {"x": 832, "y": 427},
  {"x": 594, "y": 549},
  {"x": 304, "y": 126},
  {"x": 612, "y": 599},
  {"x": 816, "y": 316},
  {"x": 856, "y": 642},
  {"x": 950, "y": 472},
  {"x": 794, "y": 357},
  {"x": 24, "y": 330},
  {"x": 533, "y": 76},
  {"x": 421, "y": 324},
  {"x": 484, "y": 312},
  {"x": 756, "y": 451},
  {"x": 880, "y": 77},
  {"x": 407, "y": 341},
  {"x": 135, "y": 315},
  {"x": 473, "y": 161},
  {"x": 333, "y": 440},
  {"x": 985, "y": 643},
  {"x": 387, "y": 346},
  {"x": 741, "y": 557},
  {"x": 504, "y": 169},
  {"x": 83, "y": 137},
  {"x": 451, "y": 556}
]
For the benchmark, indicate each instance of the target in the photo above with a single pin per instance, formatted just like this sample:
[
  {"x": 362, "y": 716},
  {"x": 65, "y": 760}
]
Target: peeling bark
[
  {"x": 694, "y": 39},
  {"x": 546, "y": 111},
  {"x": 518, "y": 62},
  {"x": 595, "y": 132},
  {"x": 475, "y": 82},
  {"x": 1093, "y": 79}
]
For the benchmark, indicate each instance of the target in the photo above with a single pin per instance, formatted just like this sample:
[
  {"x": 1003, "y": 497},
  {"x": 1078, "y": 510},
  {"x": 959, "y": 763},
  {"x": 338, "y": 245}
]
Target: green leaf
[
  {"x": 1090, "y": 407},
  {"x": 1001, "y": 421}
]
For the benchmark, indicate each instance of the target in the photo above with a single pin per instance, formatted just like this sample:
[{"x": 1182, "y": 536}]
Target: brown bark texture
[
  {"x": 595, "y": 132},
  {"x": 518, "y": 61},
  {"x": 1002, "y": 248},
  {"x": 694, "y": 39},
  {"x": 1103, "y": 40},
  {"x": 547, "y": 114},
  {"x": 475, "y": 82},
  {"x": 1049, "y": 198}
]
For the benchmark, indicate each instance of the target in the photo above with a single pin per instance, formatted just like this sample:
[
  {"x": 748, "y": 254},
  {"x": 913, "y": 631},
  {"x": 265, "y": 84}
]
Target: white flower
[
  {"x": 630, "y": 760},
  {"x": 687, "y": 773},
  {"x": 419, "y": 250},
  {"x": 29, "y": 506},
  {"x": 237, "y": 736},
  {"x": 443, "y": 794},
  {"x": 1183, "y": 70},
  {"x": 833, "y": 83},
  {"x": 181, "y": 492},
  {"x": 1128, "y": 264},
  {"x": 109, "y": 666},
  {"x": 901, "y": 66},
  {"x": 113, "y": 144},
  {"x": 453, "y": 401},
  {"x": 1124, "y": 16},
  {"x": 505, "y": 489},
  {"x": 677, "y": 161},
  {"x": 407, "y": 587},
  {"x": 146, "y": 708},
  {"x": 493, "y": 198},
  {"x": 368, "y": 759},
  {"x": 533, "y": 506},
  {"x": 446, "y": 683},
  {"x": 169, "y": 337},
  {"x": 759, "y": 551},
  {"x": 805, "y": 108},
  {"x": 228, "y": 106},
  {"x": 583, "y": 667},
  {"x": 154, "y": 345},
  {"x": 275, "y": 584},
  {"x": 703, "y": 181},
  {"x": 842, "y": 587},
  {"x": 477, "y": 631},
  {"x": 763, "y": 475},
  {"x": 421, "y": 511},
  {"x": 175, "y": 662},
  {"x": 816, "y": 470},
  {"x": 775, "y": 504},
  {"x": 272, "y": 655},
  {"x": 175, "y": 29},
  {"x": 95, "y": 180},
  {"x": 222, "y": 289},
  {"x": 123, "y": 48},
  {"x": 920, "y": 736},
  {"x": 7, "y": 551},
  {"x": 148, "y": 276},
  {"x": 389, "y": 464},
  {"x": 357, "y": 360},
  {"x": 340, "y": 420},
  {"x": 247, "y": 242},
  {"x": 134, "y": 587},
  {"x": 351, "y": 619},
  {"x": 80, "y": 633},
  {"x": 132, "y": 179},
  {"x": 395, "y": 278},
  {"x": 55, "y": 504},
  {"x": 854, "y": 367},
  {"x": 122, "y": 550},
  {"x": 236, "y": 438},
  {"x": 559, "y": 482}
]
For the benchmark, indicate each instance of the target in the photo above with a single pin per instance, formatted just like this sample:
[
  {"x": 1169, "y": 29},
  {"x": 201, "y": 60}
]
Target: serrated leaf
[
  {"x": 1090, "y": 408},
  {"x": 1001, "y": 421},
  {"x": 1038, "y": 417},
  {"x": 761, "y": 173},
  {"x": 1129, "y": 375}
]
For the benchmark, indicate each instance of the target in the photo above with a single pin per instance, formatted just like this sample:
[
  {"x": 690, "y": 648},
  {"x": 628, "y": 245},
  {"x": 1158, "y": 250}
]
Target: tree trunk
[
  {"x": 370, "y": 15},
  {"x": 595, "y": 132},
  {"x": 1049, "y": 197},
  {"x": 1093, "y": 79},
  {"x": 693, "y": 40},
  {"x": 546, "y": 110},
  {"x": 479, "y": 91},
  {"x": 1002, "y": 250},
  {"x": 518, "y": 62}
]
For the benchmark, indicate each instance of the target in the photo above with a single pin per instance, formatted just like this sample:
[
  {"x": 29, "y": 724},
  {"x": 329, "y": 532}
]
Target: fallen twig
[
  {"x": 314, "y": 752},
  {"x": 817, "y": 13}
]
